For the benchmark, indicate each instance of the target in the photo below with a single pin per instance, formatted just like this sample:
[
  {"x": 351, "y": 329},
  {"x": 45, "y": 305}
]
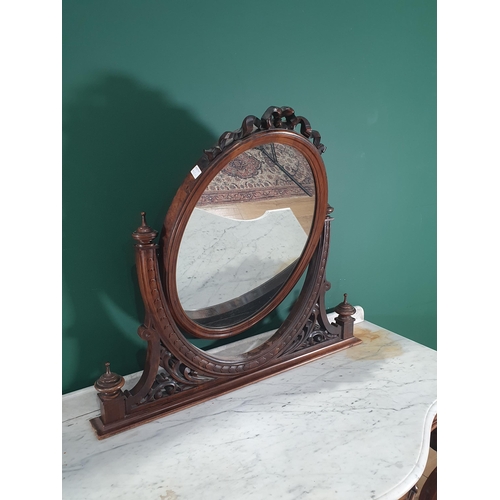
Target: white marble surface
[
  {"x": 354, "y": 425},
  {"x": 258, "y": 250}
]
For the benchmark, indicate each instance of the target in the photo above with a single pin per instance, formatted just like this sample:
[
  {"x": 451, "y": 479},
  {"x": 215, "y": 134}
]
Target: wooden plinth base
[{"x": 205, "y": 393}]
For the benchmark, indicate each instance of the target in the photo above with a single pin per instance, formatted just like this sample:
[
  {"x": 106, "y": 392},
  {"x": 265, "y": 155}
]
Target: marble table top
[{"x": 354, "y": 425}]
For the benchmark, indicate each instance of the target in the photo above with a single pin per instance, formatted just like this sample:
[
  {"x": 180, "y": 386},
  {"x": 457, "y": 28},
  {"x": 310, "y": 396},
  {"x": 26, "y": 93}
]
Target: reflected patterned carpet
[{"x": 270, "y": 171}]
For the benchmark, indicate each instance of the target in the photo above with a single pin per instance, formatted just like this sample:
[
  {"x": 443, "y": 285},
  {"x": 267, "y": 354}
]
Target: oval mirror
[
  {"x": 242, "y": 231},
  {"x": 245, "y": 235}
]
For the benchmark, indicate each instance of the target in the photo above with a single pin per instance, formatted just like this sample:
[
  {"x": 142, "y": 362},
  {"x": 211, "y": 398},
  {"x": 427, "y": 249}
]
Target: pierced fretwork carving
[
  {"x": 274, "y": 118},
  {"x": 179, "y": 371},
  {"x": 163, "y": 385},
  {"x": 314, "y": 332},
  {"x": 173, "y": 377}
]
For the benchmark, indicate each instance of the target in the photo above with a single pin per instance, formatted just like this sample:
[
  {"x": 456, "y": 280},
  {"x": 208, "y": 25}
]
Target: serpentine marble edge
[{"x": 353, "y": 425}]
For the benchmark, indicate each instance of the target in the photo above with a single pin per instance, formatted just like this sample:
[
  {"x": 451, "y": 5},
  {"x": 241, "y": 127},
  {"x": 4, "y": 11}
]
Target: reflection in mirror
[{"x": 245, "y": 235}]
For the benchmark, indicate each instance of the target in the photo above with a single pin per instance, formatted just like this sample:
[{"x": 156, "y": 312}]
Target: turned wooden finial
[
  {"x": 109, "y": 384},
  {"x": 143, "y": 219},
  {"x": 344, "y": 309},
  {"x": 144, "y": 234},
  {"x": 329, "y": 211},
  {"x": 143, "y": 228},
  {"x": 345, "y": 318}
]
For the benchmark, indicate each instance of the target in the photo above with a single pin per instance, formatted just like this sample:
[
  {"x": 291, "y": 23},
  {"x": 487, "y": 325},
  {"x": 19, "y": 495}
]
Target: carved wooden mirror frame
[{"x": 177, "y": 374}]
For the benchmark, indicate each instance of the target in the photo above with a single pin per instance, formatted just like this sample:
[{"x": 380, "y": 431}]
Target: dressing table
[{"x": 354, "y": 425}]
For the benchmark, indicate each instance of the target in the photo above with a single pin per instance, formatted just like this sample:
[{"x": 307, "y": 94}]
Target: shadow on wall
[{"x": 126, "y": 149}]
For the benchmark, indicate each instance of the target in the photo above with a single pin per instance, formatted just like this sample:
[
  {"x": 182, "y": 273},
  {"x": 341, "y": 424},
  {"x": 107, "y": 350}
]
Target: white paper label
[{"x": 196, "y": 171}]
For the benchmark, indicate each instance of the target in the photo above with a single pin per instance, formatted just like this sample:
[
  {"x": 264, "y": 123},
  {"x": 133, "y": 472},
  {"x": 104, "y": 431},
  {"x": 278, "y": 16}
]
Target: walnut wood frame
[{"x": 178, "y": 374}]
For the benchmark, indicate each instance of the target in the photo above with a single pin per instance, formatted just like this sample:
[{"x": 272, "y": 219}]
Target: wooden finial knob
[
  {"x": 344, "y": 309},
  {"x": 144, "y": 234},
  {"x": 329, "y": 211},
  {"x": 109, "y": 384},
  {"x": 143, "y": 228}
]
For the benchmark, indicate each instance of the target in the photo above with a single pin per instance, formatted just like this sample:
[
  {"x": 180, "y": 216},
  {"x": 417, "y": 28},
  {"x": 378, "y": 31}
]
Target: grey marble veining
[
  {"x": 353, "y": 425},
  {"x": 222, "y": 258}
]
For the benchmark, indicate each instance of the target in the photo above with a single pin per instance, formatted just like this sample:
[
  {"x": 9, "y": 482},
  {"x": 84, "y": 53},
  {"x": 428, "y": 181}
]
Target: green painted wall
[{"x": 148, "y": 84}]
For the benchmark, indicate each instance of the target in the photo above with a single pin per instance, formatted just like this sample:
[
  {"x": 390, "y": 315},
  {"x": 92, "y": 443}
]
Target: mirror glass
[{"x": 245, "y": 235}]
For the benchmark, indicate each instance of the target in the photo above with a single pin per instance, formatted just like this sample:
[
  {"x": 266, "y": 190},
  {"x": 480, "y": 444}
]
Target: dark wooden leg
[
  {"x": 429, "y": 489},
  {"x": 412, "y": 493},
  {"x": 434, "y": 440}
]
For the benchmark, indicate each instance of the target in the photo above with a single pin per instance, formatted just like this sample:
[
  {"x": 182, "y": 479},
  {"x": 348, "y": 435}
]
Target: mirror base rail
[{"x": 115, "y": 419}]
